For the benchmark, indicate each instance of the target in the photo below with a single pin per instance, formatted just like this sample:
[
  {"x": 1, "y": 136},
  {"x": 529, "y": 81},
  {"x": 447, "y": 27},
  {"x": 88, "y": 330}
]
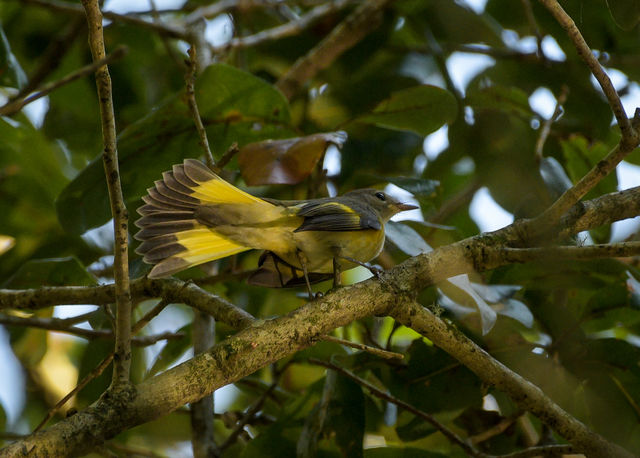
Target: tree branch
[
  {"x": 66, "y": 7},
  {"x": 284, "y": 30},
  {"x": 202, "y": 441},
  {"x": 598, "y": 72},
  {"x": 122, "y": 356},
  {"x": 190, "y": 79},
  {"x": 524, "y": 393},
  {"x": 449, "y": 434},
  {"x": 171, "y": 290},
  {"x": 263, "y": 342},
  {"x": 630, "y": 136},
  {"x": 16, "y": 105},
  {"x": 344, "y": 36}
]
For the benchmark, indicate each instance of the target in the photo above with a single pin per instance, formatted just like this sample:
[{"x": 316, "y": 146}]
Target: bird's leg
[
  {"x": 303, "y": 262},
  {"x": 375, "y": 271},
  {"x": 337, "y": 281}
]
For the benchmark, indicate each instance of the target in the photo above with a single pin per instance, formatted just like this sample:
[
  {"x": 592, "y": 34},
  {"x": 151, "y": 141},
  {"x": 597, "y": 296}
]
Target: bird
[{"x": 192, "y": 216}]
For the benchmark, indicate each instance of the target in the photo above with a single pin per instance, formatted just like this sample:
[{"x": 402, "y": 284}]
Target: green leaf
[
  {"x": 346, "y": 416},
  {"x": 420, "y": 109},
  {"x": 433, "y": 381},
  {"x": 406, "y": 238},
  {"x": 554, "y": 176},
  {"x": 11, "y": 74},
  {"x": 416, "y": 429},
  {"x": 419, "y": 187},
  {"x": 487, "y": 314},
  {"x": 581, "y": 157},
  {"x": 626, "y": 13},
  {"x": 50, "y": 272},
  {"x": 235, "y": 106},
  {"x": 505, "y": 98}
]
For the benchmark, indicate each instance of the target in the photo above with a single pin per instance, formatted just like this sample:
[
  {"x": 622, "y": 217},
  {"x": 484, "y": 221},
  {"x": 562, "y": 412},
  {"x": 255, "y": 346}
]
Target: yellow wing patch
[{"x": 219, "y": 191}]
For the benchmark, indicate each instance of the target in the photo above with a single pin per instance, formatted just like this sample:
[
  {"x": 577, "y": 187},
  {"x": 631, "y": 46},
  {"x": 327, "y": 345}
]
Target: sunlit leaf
[
  {"x": 406, "y": 238},
  {"x": 487, "y": 314},
  {"x": 420, "y": 109},
  {"x": 11, "y": 73},
  {"x": 286, "y": 161},
  {"x": 419, "y": 187},
  {"x": 6, "y": 243},
  {"x": 554, "y": 176}
]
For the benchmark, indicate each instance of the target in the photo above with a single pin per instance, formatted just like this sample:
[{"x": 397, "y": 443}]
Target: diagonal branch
[
  {"x": 449, "y": 434},
  {"x": 598, "y": 72},
  {"x": 629, "y": 129},
  {"x": 118, "y": 210},
  {"x": 346, "y": 34},
  {"x": 16, "y": 105}
]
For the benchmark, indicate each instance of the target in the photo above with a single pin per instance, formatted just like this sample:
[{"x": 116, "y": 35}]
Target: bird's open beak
[{"x": 405, "y": 207}]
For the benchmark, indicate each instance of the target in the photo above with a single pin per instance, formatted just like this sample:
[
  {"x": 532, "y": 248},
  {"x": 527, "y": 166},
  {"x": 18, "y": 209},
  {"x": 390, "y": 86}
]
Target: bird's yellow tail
[{"x": 172, "y": 238}]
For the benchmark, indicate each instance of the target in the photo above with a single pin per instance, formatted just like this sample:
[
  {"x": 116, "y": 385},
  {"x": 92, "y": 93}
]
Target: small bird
[{"x": 193, "y": 216}]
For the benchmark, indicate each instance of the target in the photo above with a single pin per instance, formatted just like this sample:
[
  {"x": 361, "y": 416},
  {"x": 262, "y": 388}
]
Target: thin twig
[
  {"x": 101, "y": 367},
  {"x": 95, "y": 373},
  {"x": 495, "y": 430},
  {"x": 52, "y": 56},
  {"x": 546, "y": 126},
  {"x": 58, "y": 325},
  {"x": 344, "y": 36},
  {"x": 171, "y": 52},
  {"x": 449, "y": 434},
  {"x": 66, "y": 7},
  {"x": 118, "y": 209},
  {"x": 228, "y": 155},
  {"x": 629, "y": 129},
  {"x": 193, "y": 107},
  {"x": 528, "y": 11},
  {"x": 285, "y": 30},
  {"x": 247, "y": 417},
  {"x": 601, "y": 76},
  {"x": 16, "y": 105},
  {"x": 374, "y": 351},
  {"x": 613, "y": 250}
]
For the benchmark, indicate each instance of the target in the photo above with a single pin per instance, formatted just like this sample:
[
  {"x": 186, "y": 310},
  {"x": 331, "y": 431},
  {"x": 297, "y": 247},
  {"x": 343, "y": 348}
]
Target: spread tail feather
[{"x": 171, "y": 237}]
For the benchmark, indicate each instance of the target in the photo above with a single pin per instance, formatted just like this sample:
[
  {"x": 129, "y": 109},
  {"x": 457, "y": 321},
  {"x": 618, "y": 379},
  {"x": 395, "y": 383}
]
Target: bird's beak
[{"x": 405, "y": 207}]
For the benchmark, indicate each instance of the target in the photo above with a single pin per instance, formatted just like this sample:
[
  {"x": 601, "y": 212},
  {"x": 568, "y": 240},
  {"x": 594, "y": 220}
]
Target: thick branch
[
  {"x": 264, "y": 342},
  {"x": 171, "y": 290},
  {"x": 118, "y": 210}
]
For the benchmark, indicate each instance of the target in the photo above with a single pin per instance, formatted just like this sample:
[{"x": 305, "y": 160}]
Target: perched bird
[{"x": 192, "y": 216}]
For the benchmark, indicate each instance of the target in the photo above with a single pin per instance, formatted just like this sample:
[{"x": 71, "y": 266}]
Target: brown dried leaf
[{"x": 285, "y": 161}]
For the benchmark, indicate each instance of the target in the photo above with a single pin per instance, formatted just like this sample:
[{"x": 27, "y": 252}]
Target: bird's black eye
[{"x": 381, "y": 196}]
